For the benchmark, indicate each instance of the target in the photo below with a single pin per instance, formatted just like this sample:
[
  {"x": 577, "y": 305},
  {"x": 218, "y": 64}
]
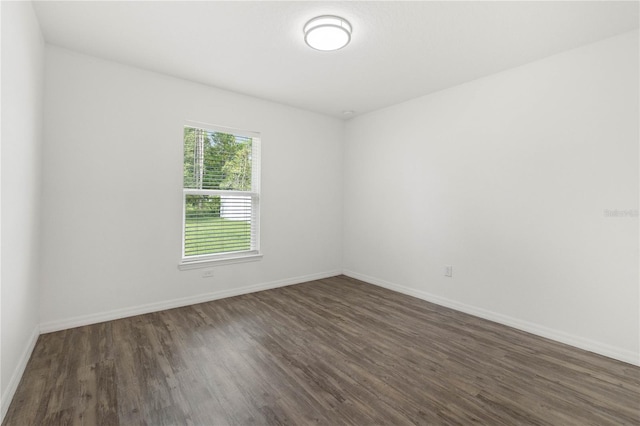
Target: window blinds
[{"x": 220, "y": 193}]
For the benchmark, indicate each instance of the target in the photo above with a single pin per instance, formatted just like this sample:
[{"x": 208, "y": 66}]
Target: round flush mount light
[{"x": 327, "y": 32}]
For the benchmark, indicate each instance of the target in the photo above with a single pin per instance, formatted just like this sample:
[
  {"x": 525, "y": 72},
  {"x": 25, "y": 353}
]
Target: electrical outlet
[
  {"x": 207, "y": 274},
  {"x": 448, "y": 271}
]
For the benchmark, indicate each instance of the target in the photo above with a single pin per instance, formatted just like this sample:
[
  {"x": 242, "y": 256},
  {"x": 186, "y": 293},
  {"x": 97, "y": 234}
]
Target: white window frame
[{"x": 208, "y": 260}]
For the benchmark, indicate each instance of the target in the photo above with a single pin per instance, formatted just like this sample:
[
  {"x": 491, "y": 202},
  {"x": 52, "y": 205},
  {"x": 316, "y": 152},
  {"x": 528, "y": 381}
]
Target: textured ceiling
[{"x": 399, "y": 50}]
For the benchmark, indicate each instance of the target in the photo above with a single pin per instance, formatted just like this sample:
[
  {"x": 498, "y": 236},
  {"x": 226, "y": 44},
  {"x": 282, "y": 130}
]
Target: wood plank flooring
[{"x": 331, "y": 352}]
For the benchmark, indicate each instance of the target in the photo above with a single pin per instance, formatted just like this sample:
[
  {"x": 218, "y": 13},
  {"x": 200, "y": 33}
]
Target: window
[{"x": 221, "y": 195}]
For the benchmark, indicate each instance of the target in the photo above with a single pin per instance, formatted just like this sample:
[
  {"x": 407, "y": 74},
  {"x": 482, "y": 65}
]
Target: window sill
[{"x": 207, "y": 263}]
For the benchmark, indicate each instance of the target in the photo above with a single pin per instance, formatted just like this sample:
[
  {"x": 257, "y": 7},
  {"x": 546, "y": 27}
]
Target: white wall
[
  {"x": 22, "y": 86},
  {"x": 112, "y": 191},
  {"x": 507, "y": 178}
]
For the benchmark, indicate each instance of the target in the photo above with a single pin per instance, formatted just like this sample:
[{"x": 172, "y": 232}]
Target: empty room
[{"x": 335, "y": 213}]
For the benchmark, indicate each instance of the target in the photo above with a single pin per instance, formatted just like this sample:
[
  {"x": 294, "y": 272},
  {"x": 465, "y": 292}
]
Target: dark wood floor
[{"x": 333, "y": 352}]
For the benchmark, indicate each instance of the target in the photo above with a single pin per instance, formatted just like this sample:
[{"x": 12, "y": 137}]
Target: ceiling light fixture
[{"x": 327, "y": 33}]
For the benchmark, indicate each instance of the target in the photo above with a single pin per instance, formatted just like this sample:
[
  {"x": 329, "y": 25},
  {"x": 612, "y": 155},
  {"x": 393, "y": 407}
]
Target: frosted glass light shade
[{"x": 327, "y": 33}]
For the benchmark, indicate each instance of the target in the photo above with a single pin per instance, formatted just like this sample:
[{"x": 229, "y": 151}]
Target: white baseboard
[
  {"x": 79, "y": 321},
  {"x": 7, "y": 396},
  {"x": 549, "y": 333}
]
